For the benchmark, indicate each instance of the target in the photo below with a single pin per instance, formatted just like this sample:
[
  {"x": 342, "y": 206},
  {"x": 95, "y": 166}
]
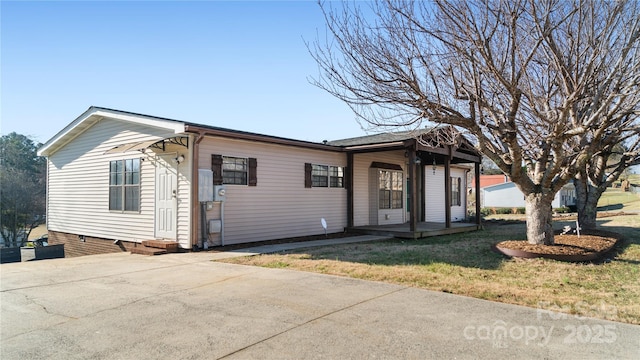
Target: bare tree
[
  {"x": 537, "y": 85},
  {"x": 605, "y": 166}
]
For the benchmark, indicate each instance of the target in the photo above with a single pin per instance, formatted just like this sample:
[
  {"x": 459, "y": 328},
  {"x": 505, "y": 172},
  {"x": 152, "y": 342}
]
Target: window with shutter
[
  {"x": 323, "y": 176},
  {"x": 234, "y": 170}
]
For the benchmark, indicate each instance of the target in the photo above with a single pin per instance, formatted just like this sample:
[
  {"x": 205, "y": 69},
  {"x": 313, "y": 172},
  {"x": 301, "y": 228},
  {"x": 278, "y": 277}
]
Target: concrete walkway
[
  {"x": 274, "y": 248},
  {"x": 185, "y": 306}
]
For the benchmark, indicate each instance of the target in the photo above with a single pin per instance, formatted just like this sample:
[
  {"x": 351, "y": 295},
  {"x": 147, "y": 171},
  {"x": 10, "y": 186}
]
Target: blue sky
[{"x": 241, "y": 65}]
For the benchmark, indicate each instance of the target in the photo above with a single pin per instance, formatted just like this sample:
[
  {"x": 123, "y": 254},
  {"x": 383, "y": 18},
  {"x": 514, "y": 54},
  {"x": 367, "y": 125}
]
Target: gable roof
[
  {"x": 93, "y": 115},
  {"x": 431, "y": 140}
]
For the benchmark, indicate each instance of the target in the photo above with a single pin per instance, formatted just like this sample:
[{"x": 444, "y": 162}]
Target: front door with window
[
  {"x": 166, "y": 198},
  {"x": 387, "y": 196}
]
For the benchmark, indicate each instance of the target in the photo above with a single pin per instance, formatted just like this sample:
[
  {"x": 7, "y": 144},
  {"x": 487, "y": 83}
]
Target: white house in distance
[
  {"x": 507, "y": 195},
  {"x": 116, "y": 179}
]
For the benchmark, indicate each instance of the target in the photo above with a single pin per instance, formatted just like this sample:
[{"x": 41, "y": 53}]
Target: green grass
[{"x": 616, "y": 199}]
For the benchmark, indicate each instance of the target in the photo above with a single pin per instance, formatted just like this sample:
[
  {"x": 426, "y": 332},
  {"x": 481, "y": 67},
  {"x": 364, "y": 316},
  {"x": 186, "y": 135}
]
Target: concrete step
[
  {"x": 169, "y": 246},
  {"x": 143, "y": 250}
]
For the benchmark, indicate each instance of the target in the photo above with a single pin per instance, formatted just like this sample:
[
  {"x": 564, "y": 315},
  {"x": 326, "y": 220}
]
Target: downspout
[{"x": 194, "y": 189}]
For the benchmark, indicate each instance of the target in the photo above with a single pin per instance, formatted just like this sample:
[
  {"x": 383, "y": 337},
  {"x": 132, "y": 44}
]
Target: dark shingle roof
[{"x": 382, "y": 138}]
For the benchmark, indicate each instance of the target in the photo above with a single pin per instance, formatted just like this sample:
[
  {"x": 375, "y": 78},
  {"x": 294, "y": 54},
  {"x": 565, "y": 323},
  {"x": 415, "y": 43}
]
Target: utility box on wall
[
  {"x": 219, "y": 193},
  {"x": 205, "y": 185},
  {"x": 215, "y": 226}
]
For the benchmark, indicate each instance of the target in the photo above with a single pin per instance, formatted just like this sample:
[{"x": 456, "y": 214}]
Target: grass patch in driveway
[{"x": 464, "y": 264}]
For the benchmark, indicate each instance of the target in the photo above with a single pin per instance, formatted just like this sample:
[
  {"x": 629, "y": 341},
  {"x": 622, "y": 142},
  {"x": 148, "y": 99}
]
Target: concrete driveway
[{"x": 184, "y": 306}]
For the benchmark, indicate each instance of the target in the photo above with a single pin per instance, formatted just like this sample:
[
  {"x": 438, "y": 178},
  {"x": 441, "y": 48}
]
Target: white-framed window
[
  {"x": 234, "y": 170},
  {"x": 336, "y": 176},
  {"x": 456, "y": 184},
  {"x": 390, "y": 189},
  {"x": 319, "y": 175},
  {"x": 124, "y": 185},
  {"x": 324, "y": 176}
]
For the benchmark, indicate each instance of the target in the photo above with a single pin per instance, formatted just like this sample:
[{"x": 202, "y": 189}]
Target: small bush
[{"x": 502, "y": 211}]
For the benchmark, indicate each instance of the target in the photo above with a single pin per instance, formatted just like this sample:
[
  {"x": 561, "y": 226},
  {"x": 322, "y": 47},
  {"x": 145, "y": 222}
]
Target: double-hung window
[
  {"x": 124, "y": 185},
  {"x": 390, "y": 189},
  {"x": 319, "y": 176},
  {"x": 234, "y": 170},
  {"x": 336, "y": 176},
  {"x": 324, "y": 176}
]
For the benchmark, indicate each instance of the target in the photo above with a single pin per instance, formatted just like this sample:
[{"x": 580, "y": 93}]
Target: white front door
[{"x": 166, "y": 197}]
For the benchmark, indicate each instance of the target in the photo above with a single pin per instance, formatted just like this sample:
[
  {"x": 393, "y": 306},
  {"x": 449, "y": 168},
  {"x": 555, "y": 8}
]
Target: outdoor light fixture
[
  {"x": 434, "y": 165},
  {"x": 417, "y": 161},
  {"x": 179, "y": 159}
]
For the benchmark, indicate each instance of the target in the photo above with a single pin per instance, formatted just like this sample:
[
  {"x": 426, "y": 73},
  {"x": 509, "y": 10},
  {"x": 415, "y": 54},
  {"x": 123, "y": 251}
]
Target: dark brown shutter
[
  {"x": 216, "y": 167},
  {"x": 307, "y": 175},
  {"x": 253, "y": 172}
]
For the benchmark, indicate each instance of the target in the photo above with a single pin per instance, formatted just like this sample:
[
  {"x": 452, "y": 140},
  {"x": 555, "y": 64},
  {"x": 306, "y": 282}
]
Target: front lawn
[{"x": 464, "y": 264}]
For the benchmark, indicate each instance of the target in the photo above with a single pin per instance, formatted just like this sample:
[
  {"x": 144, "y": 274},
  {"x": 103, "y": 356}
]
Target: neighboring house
[
  {"x": 117, "y": 178},
  {"x": 486, "y": 180},
  {"x": 507, "y": 195}
]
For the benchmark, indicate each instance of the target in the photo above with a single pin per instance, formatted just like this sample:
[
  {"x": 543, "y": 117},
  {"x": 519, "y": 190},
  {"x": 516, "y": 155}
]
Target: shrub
[{"x": 502, "y": 211}]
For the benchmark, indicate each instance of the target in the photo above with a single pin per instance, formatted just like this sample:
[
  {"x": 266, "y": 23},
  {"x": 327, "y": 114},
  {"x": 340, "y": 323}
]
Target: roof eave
[
  {"x": 94, "y": 114},
  {"x": 242, "y": 135}
]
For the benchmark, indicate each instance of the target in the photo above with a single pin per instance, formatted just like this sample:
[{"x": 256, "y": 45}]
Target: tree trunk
[
  {"x": 587, "y": 197},
  {"x": 539, "y": 219}
]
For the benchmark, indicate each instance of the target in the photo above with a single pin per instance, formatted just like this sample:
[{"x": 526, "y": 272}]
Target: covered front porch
[
  {"x": 422, "y": 229},
  {"x": 431, "y": 199}
]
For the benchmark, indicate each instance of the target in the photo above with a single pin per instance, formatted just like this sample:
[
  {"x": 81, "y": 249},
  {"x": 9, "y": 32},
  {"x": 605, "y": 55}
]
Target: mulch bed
[{"x": 589, "y": 246}]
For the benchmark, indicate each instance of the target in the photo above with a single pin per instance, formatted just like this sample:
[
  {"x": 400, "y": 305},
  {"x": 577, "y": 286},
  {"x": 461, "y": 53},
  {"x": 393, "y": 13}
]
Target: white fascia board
[
  {"x": 58, "y": 140},
  {"x": 176, "y": 126}
]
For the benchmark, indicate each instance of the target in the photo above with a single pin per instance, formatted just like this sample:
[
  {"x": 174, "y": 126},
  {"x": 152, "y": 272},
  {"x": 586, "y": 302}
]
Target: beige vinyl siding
[
  {"x": 365, "y": 200},
  {"x": 435, "y": 196},
  {"x": 183, "y": 224},
  {"x": 279, "y": 206},
  {"x": 78, "y": 196}
]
